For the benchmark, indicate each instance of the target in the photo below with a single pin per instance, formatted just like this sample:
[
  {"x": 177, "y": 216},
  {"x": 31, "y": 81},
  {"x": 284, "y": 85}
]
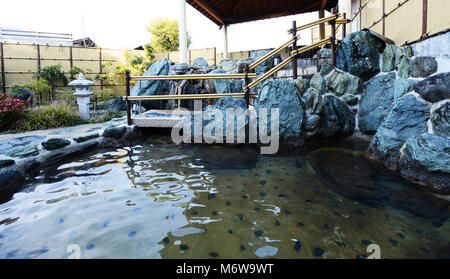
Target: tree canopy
[{"x": 165, "y": 36}]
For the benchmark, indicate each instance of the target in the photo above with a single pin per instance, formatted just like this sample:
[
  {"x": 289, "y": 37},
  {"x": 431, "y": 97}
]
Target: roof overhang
[{"x": 227, "y": 12}]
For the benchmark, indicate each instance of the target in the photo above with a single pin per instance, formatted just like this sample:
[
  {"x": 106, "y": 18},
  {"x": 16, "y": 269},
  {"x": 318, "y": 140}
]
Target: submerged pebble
[
  {"x": 297, "y": 246},
  {"x": 318, "y": 252}
]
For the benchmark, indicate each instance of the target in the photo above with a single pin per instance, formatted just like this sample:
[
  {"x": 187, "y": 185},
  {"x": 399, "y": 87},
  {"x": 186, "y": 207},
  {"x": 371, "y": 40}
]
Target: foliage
[
  {"x": 47, "y": 117},
  {"x": 165, "y": 36},
  {"x": 52, "y": 74},
  {"x": 105, "y": 116},
  {"x": 41, "y": 88},
  {"x": 104, "y": 95},
  {"x": 11, "y": 110},
  {"x": 75, "y": 71},
  {"x": 66, "y": 97}
]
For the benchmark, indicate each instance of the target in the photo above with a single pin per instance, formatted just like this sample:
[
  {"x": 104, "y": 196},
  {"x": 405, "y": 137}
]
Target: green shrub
[
  {"x": 66, "y": 97},
  {"x": 52, "y": 74},
  {"x": 47, "y": 117},
  {"x": 104, "y": 95}
]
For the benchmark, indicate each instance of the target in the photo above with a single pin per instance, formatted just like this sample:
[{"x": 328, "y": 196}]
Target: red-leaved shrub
[{"x": 11, "y": 109}]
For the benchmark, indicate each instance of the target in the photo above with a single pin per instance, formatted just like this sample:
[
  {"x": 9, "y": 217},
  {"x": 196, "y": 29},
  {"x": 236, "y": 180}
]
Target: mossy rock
[{"x": 55, "y": 143}]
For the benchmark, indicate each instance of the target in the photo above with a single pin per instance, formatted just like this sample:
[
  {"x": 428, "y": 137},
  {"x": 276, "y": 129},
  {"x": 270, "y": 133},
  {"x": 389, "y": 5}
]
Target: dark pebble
[
  {"x": 400, "y": 235},
  {"x": 228, "y": 187},
  {"x": 184, "y": 247},
  {"x": 277, "y": 223},
  {"x": 90, "y": 246},
  {"x": 256, "y": 174},
  {"x": 418, "y": 232},
  {"x": 228, "y": 203},
  {"x": 276, "y": 187},
  {"x": 262, "y": 194},
  {"x": 340, "y": 244},
  {"x": 301, "y": 224},
  {"x": 393, "y": 242},
  {"x": 215, "y": 213},
  {"x": 366, "y": 242},
  {"x": 245, "y": 197},
  {"x": 326, "y": 227},
  {"x": 194, "y": 212},
  {"x": 297, "y": 246},
  {"x": 361, "y": 256},
  {"x": 262, "y": 182},
  {"x": 298, "y": 164},
  {"x": 131, "y": 234},
  {"x": 287, "y": 173},
  {"x": 287, "y": 212},
  {"x": 359, "y": 211},
  {"x": 310, "y": 201},
  {"x": 257, "y": 209},
  {"x": 268, "y": 171},
  {"x": 213, "y": 254},
  {"x": 166, "y": 240},
  {"x": 258, "y": 234},
  {"x": 230, "y": 231},
  {"x": 211, "y": 196},
  {"x": 242, "y": 247},
  {"x": 282, "y": 196},
  {"x": 318, "y": 252},
  {"x": 240, "y": 216}
]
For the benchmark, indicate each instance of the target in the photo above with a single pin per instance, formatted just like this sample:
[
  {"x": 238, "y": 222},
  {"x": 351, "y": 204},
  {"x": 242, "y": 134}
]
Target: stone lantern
[{"x": 82, "y": 92}]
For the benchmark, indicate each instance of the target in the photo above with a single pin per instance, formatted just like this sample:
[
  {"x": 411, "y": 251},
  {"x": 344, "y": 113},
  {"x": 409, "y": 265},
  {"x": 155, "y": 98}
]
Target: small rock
[
  {"x": 440, "y": 118},
  {"x": 318, "y": 252},
  {"x": 326, "y": 68},
  {"x": 115, "y": 132},
  {"x": 404, "y": 68},
  {"x": 351, "y": 100},
  {"x": 434, "y": 88},
  {"x": 55, "y": 143},
  {"x": 337, "y": 82},
  {"x": 23, "y": 151},
  {"x": 297, "y": 246},
  {"x": 422, "y": 67},
  {"x": 6, "y": 162},
  {"x": 318, "y": 82},
  {"x": 312, "y": 123},
  {"x": 200, "y": 62},
  {"x": 86, "y": 137},
  {"x": 301, "y": 84}
]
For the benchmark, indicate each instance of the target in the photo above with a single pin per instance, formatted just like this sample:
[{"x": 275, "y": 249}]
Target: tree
[{"x": 165, "y": 36}]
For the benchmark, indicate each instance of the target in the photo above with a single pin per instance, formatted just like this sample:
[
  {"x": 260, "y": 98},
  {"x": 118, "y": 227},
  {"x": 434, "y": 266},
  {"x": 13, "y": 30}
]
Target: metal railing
[{"x": 332, "y": 20}]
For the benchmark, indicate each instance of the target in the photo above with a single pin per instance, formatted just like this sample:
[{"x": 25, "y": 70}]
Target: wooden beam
[
  {"x": 321, "y": 26},
  {"x": 323, "y": 5},
  {"x": 209, "y": 10}
]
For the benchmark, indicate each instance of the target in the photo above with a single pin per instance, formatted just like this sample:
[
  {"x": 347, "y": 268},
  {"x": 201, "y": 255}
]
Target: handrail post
[
  {"x": 294, "y": 48},
  {"x": 344, "y": 26},
  {"x": 127, "y": 84},
  {"x": 246, "y": 89},
  {"x": 333, "y": 39}
]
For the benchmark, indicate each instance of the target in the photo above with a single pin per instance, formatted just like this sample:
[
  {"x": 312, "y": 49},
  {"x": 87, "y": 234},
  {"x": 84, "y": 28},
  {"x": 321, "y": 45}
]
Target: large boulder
[
  {"x": 440, "y": 118},
  {"x": 336, "y": 118},
  {"x": 228, "y": 65},
  {"x": 283, "y": 94},
  {"x": 153, "y": 87},
  {"x": 422, "y": 67},
  {"x": 406, "y": 119},
  {"x": 337, "y": 82},
  {"x": 359, "y": 54},
  {"x": 11, "y": 180},
  {"x": 312, "y": 100},
  {"x": 193, "y": 89},
  {"x": 227, "y": 85},
  {"x": 319, "y": 83},
  {"x": 434, "y": 88},
  {"x": 403, "y": 86},
  {"x": 180, "y": 69},
  {"x": 117, "y": 104},
  {"x": 425, "y": 160},
  {"x": 376, "y": 101}
]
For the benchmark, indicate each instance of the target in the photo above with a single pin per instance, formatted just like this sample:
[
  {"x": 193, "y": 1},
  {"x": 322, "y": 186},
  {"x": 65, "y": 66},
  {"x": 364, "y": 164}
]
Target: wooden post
[
  {"x": 38, "y": 57},
  {"x": 294, "y": 47},
  {"x": 215, "y": 58},
  {"x": 100, "y": 61},
  {"x": 425, "y": 17},
  {"x": 246, "y": 82},
  {"x": 3, "y": 68},
  {"x": 70, "y": 60},
  {"x": 333, "y": 39},
  {"x": 322, "y": 25},
  {"x": 127, "y": 84},
  {"x": 384, "y": 18}
]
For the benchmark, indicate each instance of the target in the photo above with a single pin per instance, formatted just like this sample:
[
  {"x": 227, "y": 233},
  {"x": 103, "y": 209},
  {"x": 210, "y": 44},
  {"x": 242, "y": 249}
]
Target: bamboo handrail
[
  {"x": 270, "y": 54},
  {"x": 317, "y": 22},
  {"x": 269, "y": 73},
  {"x": 306, "y": 48},
  {"x": 197, "y": 76},
  {"x": 185, "y": 96}
]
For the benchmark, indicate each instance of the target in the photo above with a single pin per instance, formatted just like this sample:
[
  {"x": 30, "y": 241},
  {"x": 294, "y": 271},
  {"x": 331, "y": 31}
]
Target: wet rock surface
[
  {"x": 422, "y": 67},
  {"x": 434, "y": 88},
  {"x": 336, "y": 119},
  {"x": 55, "y": 143},
  {"x": 440, "y": 118}
]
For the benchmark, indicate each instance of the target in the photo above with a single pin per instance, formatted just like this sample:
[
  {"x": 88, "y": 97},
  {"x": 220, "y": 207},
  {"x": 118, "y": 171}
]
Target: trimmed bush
[{"x": 11, "y": 110}]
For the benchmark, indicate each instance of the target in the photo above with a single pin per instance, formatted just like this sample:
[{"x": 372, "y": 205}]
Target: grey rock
[
  {"x": 440, "y": 118},
  {"x": 318, "y": 82},
  {"x": 336, "y": 119},
  {"x": 359, "y": 54},
  {"x": 23, "y": 151},
  {"x": 153, "y": 87},
  {"x": 200, "y": 62},
  {"x": 7, "y": 145},
  {"x": 393, "y": 55},
  {"x": 241, "y": 64},
  {"x": 312, "y": 100},
  {"x": 6, "y": 162},
  {"x": 301, "y": 84},
  {"x": 424, "y": 66},
  {"x": 337, "y": 82},
  {"x": 115, "y": 132},
  {"x": 406, "y": 119},
  {"x": 55, "y": 143},
  {"x": 425, "y": 160},
  {"x": 377, "y": 97},
  {"x": 180, "y": 69},
  {"x": 57, "y": 156},
  {"x": 283, "y": 94},
  {"x": 351, "y": 100},
  {"x": 227, "y": 85},
  {"x": 117, "y": 104},
  {"x": 312, "y": 123},
  {"x": 434, "y": 88},
  {"x": 266, "y": 65},
  {"x": 228, "y": 65},
  {"x": 86, "y": 137}
]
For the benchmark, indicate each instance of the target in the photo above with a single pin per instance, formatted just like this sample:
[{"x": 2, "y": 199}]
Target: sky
[{"x": 122, "y": 24}]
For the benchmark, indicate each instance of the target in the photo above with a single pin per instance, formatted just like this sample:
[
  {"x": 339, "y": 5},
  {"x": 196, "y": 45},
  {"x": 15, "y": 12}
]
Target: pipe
[
  {"x": 225, "y": 42},
  {"x": 182, "y": 31}
]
